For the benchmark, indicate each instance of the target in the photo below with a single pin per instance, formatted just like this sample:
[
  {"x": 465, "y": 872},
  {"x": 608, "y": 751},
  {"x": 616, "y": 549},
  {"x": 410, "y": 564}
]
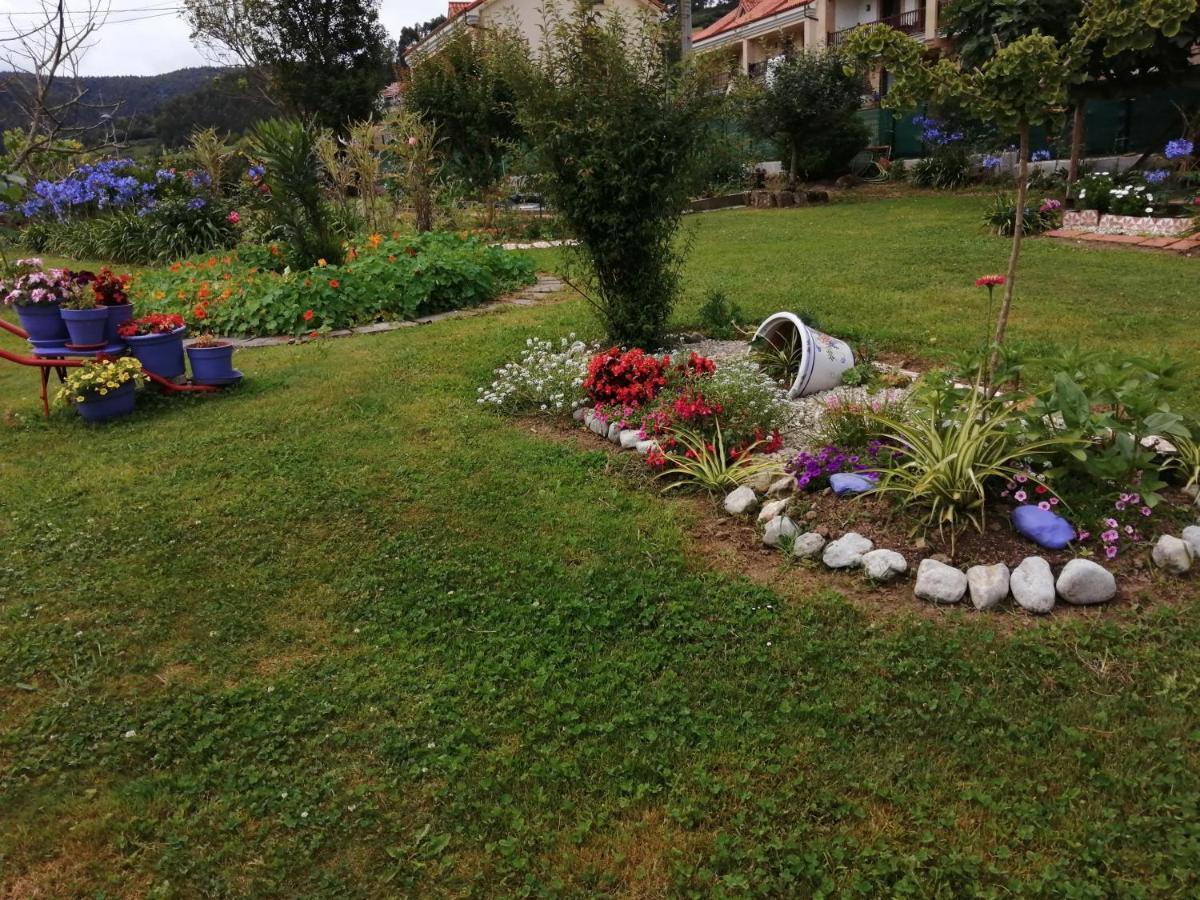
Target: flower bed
[
  {"x": 249, "y": 292},
  {"x": 1045, "y": 492}
]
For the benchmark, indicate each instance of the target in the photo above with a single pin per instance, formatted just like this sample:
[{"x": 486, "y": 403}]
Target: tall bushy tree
[
  {"x": 809, "y": 105},
  {"x": 463, "y": 91},
  {"x": 617, "y": 130},
  {"x": 325, "y": 59}
]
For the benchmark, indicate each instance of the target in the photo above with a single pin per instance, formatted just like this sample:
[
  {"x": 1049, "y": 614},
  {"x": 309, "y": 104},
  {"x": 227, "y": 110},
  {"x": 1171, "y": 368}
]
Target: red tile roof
[
  {"x": 747, "y": 11},
  {"x": 456, "y": 8}
]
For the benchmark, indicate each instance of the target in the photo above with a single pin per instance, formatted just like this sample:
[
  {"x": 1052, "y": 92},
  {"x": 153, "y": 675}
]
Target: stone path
[
  {"x": 538, "y": 245},
  {"x": 545, "y": 285},
  {"x": 1186, "y": 246}
]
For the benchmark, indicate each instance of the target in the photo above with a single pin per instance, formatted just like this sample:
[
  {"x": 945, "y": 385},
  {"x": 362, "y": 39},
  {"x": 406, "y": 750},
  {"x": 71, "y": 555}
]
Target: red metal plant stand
[{"x": 60, "y": 366}]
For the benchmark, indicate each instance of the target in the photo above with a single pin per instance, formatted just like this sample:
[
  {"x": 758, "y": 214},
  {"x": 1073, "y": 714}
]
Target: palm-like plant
[
  {"x": 705, "y": 464},
  {"x": 288, "y": 149},
  {"x": 944, "y": 463},
  {"x": 780, "y": 356}
]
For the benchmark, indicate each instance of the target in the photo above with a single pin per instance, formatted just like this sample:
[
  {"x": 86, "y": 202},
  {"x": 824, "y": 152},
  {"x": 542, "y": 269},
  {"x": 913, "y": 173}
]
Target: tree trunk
[
  {"x": 792, "y": 168},
  {"x": 1010, "y": 279},
  {"x": 685, "y": 29},
  {"x": 1076, "y": 144}
]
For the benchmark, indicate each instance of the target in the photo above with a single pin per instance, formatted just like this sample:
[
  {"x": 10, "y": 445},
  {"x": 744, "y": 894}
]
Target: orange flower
[
  {"x": 308, "y": 315},
  {"x": 274, "y": 250},
  {"x": 391, "y": 257},
  {"x": 308, "y": 282},
  {"x": 322, "y": 263},
  {"x": 174, "y": 267},
  {"x": 199, "y": 312},
  {"x": 374, "y": 239},
  {"x": 203, "y": 293},
  {"x": 333, "y": 283}
]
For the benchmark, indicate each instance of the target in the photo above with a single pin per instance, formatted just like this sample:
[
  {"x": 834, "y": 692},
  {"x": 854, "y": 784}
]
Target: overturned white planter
[{"x": 823, "y": 358}]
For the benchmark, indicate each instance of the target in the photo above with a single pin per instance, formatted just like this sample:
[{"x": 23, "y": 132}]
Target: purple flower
[
  {"x": 1178, "y": 149},
  {"x": 1110, "y": 552},
  {"x": 1039, "y": 155},
  {"x": 1156, "y": 176},
  {"x": 1111, "y": 523},
  {"x": 1044, "y": 505},
  {"x": 1020, "y": 496},
  {"x": 1145, "y": 510},
  {"x": 1110, "y": 536},
  {"x": 1084, "y": 535},
  {"x": 197, "y": 203}
]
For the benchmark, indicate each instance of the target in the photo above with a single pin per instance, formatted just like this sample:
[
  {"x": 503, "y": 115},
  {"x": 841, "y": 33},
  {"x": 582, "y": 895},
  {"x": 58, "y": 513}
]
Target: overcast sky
[{"x": 145, "y": 37}]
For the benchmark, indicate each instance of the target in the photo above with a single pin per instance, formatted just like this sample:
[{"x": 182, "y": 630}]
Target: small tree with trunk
[{"x": 1023, "y": 84}]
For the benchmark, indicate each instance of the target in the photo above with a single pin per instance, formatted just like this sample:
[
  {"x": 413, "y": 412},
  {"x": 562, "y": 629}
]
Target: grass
[{"x": 342, "y": 633}]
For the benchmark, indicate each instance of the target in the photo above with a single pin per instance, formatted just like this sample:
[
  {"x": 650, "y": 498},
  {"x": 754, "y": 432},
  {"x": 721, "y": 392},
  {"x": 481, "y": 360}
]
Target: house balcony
[{"x": 911, "y": 22}]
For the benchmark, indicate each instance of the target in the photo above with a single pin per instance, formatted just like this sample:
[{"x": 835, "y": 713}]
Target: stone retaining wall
[{"x": 1158, "y": 226}]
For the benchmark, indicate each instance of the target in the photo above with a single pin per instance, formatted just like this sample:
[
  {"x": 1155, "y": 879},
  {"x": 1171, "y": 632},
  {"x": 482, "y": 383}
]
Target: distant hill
[{"x": 141, "y": 96}]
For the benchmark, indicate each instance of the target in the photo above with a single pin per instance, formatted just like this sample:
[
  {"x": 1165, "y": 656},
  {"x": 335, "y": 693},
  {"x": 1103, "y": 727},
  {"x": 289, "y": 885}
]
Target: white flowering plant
[
  {"x": 547, "y": 378},
  {"x": 753, "y": 404},
  {"x": 98, "y": 377}
]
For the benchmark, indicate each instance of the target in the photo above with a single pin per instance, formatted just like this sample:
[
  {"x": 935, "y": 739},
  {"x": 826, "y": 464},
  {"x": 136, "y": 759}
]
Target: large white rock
[
  {"x": 771, "y": 510},
  {"x": 884, "y": 565},
  {"x": 808, "y": 545},
  {"x": 614, "y": 432},
  {"x": 847, "y": 551},
  {"x": 1032, "y": 585},
  {"x": 741, "y": 501},
  {"x": 599, "y": 426},
  {"x": 780, "y": 530},
  {"x": 939, "y": 583},
  {"x": 1172, "y": 555},
  {"x": 579, "y": 413},
  {"x": 1083, "y": 582},
  {"x": 1191, "y": 537},
  {"x": 781, "y": 486},
  {"x": 988, "y": 585},
  {"x": 644, "y": 447},
  {"x": 630, "y": 438}
]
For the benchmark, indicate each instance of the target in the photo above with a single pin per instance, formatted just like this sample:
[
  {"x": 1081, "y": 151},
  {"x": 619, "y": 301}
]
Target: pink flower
[
  {"x": 1111, "y": 523},
  {"x": 1110, "y": 552},
  {"x": 1119, "y": 505},
  {"x": 1084, "y": 535},
  {"x": 1020, "y": 496},
  {"x": 412, "y": 141},
  {"x": 1145, "y": 510},
  {"x": 1110, "y": 536},
  {"x": 1129, "y": 529},
  {"x": 989, "y": 280},
  {"x": 233, "y": 218},
  {"x": 1020, "y": 479},
  {"x": 1054, "y": 501},
  {"x": 1043, "y": 505}
]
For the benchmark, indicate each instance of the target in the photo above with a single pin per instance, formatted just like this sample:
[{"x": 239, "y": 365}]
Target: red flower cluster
[
  {"x": 110, "y": 289},
  {"x": 772, "y": 444},
  {"x": 155, "y": 323},
  {"x": 989, "y": 281},
  {"x": 689, "y": 408},
  {"x": 697, "y": 365},
  {"x": 630, "y": 378}
]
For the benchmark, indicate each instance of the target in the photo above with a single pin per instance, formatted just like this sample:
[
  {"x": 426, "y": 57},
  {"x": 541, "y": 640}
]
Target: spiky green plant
[
  {"x": 1187, "y": 460},
  {"x": 779, "y": 357},
  {"x": 709, "y": 466},
  {"x": 944, "y": 463}
]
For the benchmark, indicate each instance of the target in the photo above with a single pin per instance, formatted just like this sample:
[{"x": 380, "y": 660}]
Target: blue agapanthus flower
[
  {"x": 992, "y": 162},
  {"x": 1178, "y": 149},
  {"x": 197, "y": 203},
  {"x": 1040, "y": 155},
  {"x": 164, "y": 175},
  {"x": 201, "y": 179},
  {"x": 1156, "y": 176},
  {"x": 256, "y": 172},
  {"x": 934, "y": 132}
]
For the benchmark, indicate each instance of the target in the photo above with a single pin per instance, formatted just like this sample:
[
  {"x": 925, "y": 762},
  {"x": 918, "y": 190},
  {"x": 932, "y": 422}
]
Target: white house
[{"x": 527, "y": 17}]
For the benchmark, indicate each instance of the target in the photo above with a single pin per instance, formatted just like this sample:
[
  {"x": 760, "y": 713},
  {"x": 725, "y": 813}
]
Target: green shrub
[
  {"x": 719, "y": 315},
  {"x": 945, "y": 168},
  {"x": 616, "y": 129},
  {"x": 1001, "y": 216},
  {"x": 394, "y": 278}
]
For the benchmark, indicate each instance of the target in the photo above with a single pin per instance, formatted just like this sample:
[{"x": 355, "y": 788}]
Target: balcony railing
[{"x": 911, "y": 22}]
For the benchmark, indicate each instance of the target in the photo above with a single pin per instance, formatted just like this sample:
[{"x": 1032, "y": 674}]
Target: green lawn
[{"x": 342, "y": 633}]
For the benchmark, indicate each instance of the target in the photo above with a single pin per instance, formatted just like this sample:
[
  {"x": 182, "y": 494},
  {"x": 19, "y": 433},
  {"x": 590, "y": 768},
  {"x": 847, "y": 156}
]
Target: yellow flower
[
  {"x": 103, "y": 391},
  {"x": 322, "y": 263},
  {"x": 113, "y": 384},
  {"x": 79, "y": 398}
]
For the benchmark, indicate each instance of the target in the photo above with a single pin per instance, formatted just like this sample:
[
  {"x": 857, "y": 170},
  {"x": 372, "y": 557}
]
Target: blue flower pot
[
  {"x": 117, "y": 316},
  {"x": 161, "y": 354},
  {"x": 212, "y": 365},
  {"x": 43, "y": 321},
  {"x": 117, "y": 402},
  {"x": 86, "y": 326}
]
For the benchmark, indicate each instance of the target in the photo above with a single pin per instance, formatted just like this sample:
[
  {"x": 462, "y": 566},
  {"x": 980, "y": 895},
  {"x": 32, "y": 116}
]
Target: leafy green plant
[
  {"x": 288, "y": 150},
  {"x": 943, "y": 465},
  {"x": 779, "y": 356},
  {"x": 854, "y": 425},
  {"x": 1115, "y": 402},
  {"x": 946, "y": 168},
  {"x": 719, "y": 315},
  {"x": 706, "y": 464},
  {"x": 1187, "y": 460},
  {"x": 1000, "y": 215}
]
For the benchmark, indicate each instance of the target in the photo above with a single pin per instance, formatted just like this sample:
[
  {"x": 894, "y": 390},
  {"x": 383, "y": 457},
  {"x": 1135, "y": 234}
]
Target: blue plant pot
[
  {"x": 161, "y": 354},
  {"x": 86, "y": 326},
  {"x": 117, "y": 316},
  {"x": 118, "y": 402},
  {"x": 212, "y": 365},
  {"x": 43, "y": 322}
]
